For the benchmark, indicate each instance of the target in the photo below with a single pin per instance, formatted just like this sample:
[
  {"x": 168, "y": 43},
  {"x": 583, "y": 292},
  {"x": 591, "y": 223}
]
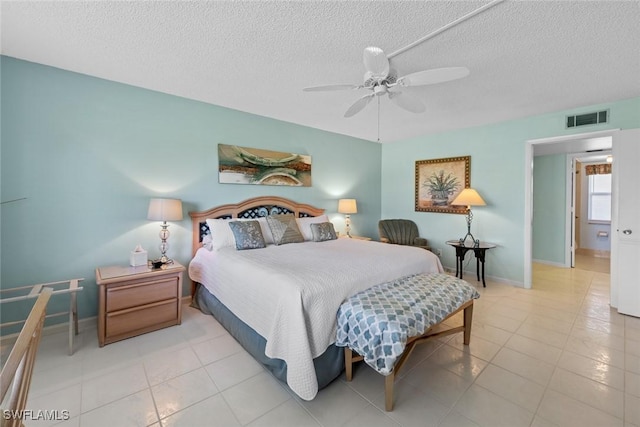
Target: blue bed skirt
[{"x": 329, "y": 365}]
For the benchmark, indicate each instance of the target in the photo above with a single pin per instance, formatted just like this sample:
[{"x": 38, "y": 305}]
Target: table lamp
[
  {"x": 164, "y": 210},
  {"x": 347, "y": 207},
  {"x": 469, "y": 197}
]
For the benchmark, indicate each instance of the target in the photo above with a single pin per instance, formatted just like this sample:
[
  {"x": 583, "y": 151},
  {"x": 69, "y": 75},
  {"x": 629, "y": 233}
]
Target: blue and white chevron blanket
[{"x": 377, "y": 322}]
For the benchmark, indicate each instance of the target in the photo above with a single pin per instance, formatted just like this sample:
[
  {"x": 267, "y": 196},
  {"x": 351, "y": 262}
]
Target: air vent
[{"x": 588, "y": 119}]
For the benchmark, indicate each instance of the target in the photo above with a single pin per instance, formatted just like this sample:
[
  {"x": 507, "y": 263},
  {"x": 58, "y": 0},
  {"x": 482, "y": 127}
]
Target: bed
[{"x": 280, "y": 301}]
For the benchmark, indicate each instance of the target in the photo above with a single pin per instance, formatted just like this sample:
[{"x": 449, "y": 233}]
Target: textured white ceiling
[{"x": 525, "y": 57}]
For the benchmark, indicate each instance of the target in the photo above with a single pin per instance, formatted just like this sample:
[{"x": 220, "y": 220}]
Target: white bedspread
[{"x": 290, "y": 294}]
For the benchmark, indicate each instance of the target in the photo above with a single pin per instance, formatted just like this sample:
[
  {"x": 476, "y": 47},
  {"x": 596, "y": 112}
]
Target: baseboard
[
  {"x": 472, "y": 274},
  {"x": 593, "y": 252},
  {"x": 86, "y": 323},
  {"x": 552, "y": 263}
]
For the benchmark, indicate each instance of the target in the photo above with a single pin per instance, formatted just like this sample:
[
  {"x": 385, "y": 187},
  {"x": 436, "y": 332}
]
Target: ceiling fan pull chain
[
  {"x": 446, "y": 27},
  {"x": 378, "y": 119}
]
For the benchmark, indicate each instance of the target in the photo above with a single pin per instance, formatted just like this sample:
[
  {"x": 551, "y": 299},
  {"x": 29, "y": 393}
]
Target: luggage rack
[{"x": 33, "y": 291}]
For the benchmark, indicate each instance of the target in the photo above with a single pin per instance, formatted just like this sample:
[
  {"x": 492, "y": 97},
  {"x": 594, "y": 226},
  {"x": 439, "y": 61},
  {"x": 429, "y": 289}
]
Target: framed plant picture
[{"x": 439, "y": 181}]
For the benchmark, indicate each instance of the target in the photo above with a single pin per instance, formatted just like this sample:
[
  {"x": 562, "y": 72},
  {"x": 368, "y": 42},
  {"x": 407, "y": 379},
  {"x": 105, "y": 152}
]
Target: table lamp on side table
[
  {"x": 164, "y": 210},
  {"x": 347, "y": 207},
  {"x": 469, "y": 197}
]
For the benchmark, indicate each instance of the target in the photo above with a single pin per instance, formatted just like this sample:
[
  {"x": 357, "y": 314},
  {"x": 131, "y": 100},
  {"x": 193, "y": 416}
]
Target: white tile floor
[{"x": 556, "y": 355}]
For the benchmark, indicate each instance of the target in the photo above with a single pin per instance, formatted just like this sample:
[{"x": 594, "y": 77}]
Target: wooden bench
[
  {"x": 377, "y": 307},
  {"x": 350, "y": 357}
]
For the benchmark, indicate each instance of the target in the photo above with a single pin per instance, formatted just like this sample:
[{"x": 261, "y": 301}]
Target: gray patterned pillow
[
  {"x": 284, "y": 229},
  {"x": 247, "y": 234},
  {"x": 323, "y": 231}
]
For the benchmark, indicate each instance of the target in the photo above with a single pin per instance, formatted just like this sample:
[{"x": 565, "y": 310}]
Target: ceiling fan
[{"x": 380, "y": 79}]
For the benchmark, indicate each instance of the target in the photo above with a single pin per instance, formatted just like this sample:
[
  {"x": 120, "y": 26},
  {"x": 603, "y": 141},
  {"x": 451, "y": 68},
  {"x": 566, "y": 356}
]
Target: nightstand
[{"x": 136, "y": 300}]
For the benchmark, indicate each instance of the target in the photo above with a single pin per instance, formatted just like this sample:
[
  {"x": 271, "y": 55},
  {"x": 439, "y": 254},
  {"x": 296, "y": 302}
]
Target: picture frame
[{"x": 439, "y": 181}]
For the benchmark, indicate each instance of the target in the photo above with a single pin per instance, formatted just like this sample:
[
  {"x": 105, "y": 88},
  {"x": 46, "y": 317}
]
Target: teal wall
[
  {"x": 497, "y": 171},
  {"x": 88, "y": 154},
  {"x": 549, "y": 206}
]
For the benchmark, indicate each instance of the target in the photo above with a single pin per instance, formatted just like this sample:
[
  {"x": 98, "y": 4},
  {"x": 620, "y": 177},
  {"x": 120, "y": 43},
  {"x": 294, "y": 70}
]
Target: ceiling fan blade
[
  {"x": 357, "y": 106},
  {"x": 407, "y": 101},
  {"x": 376, "y": 62},
  {"x": 437, "y": 75},
  {"x": 330, "y": 88}
]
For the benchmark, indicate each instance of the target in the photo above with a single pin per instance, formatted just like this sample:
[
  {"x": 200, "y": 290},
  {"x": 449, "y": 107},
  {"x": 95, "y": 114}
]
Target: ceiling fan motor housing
[{"x": 371, "y": 81}]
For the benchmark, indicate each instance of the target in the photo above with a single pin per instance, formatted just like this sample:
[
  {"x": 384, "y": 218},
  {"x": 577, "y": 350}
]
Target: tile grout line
[
  {"x": 153, "y": 398},
  {"x": 555, "y": 367}
]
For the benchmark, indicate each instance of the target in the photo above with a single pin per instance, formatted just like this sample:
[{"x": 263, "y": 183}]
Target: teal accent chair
[{"x": 401, "y": 232}]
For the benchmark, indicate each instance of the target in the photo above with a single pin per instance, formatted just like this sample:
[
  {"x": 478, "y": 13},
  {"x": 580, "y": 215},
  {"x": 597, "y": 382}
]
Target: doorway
[
  {"x": 590, "y": 211},
  {"x": 578, "y": 143}
]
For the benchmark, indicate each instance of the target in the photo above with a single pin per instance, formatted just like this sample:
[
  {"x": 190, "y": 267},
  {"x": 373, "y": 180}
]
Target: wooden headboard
[{"x": 251, "y": 208}]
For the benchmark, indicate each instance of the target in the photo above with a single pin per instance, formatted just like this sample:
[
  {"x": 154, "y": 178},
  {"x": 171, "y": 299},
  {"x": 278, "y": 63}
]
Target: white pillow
[
  {"x": 206, "y": 242},
  {"x": 304, "y": 224},
  {"x": 222, "y": 236}
]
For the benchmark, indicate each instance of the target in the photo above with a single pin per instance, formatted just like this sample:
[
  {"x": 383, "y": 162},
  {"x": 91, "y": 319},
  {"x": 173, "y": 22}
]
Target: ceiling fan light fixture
[{"x": 380, "y": 90}]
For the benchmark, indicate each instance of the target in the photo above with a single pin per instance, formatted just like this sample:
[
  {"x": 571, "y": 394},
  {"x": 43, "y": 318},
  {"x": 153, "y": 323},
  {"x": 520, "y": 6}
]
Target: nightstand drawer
[
  {"x": 142, "y": 317},
  {"x": 133, "y": 295}
]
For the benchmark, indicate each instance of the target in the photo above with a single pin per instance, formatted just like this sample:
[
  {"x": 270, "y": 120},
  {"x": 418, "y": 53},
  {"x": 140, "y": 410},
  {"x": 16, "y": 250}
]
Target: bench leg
[
  {"x": 468, "y": 316},
  {"x": 388, "y": 391},
  {"x": 348, "y": 363},
  {"x": 389, "y": 380}
]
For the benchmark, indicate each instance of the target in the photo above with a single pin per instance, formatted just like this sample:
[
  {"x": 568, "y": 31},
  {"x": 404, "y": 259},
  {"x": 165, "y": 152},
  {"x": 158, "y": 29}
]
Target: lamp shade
[
  {"x": 165, "y": 210},
  {"x": 468, "y": 197},
  {"x": 347, "y": 206}
]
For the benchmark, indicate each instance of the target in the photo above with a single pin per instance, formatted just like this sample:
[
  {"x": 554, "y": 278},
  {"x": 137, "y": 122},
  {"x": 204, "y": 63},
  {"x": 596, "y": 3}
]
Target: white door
[
  {"x": 625, "y": 222},
  {"x": 574, "y": 208},
  {"x": 577, "y": 208}
]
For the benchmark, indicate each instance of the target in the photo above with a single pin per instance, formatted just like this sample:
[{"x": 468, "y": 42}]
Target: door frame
[
  {"x": 570, "y": 212},
  {"x": 571, "y": 208},
  {"x": 528, "y": 190}
]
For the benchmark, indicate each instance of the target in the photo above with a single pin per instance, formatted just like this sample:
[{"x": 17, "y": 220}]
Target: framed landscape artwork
[
  {"x": 242, "y": 165},
  {"x": 439, "y": 181}
]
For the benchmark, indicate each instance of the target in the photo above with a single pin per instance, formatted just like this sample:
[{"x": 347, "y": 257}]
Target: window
[{"x": 600, "y": 198}]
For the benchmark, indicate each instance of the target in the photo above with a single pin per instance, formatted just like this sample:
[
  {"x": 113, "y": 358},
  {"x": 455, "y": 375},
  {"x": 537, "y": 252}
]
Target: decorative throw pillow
[
  {"x": 247, "y": 234},
  {"x": 323, "y": 232},
  {"x": 304, "y": 224},
  {"x": 221, "y": 235},
  {"x": 284, "y": 229}
]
